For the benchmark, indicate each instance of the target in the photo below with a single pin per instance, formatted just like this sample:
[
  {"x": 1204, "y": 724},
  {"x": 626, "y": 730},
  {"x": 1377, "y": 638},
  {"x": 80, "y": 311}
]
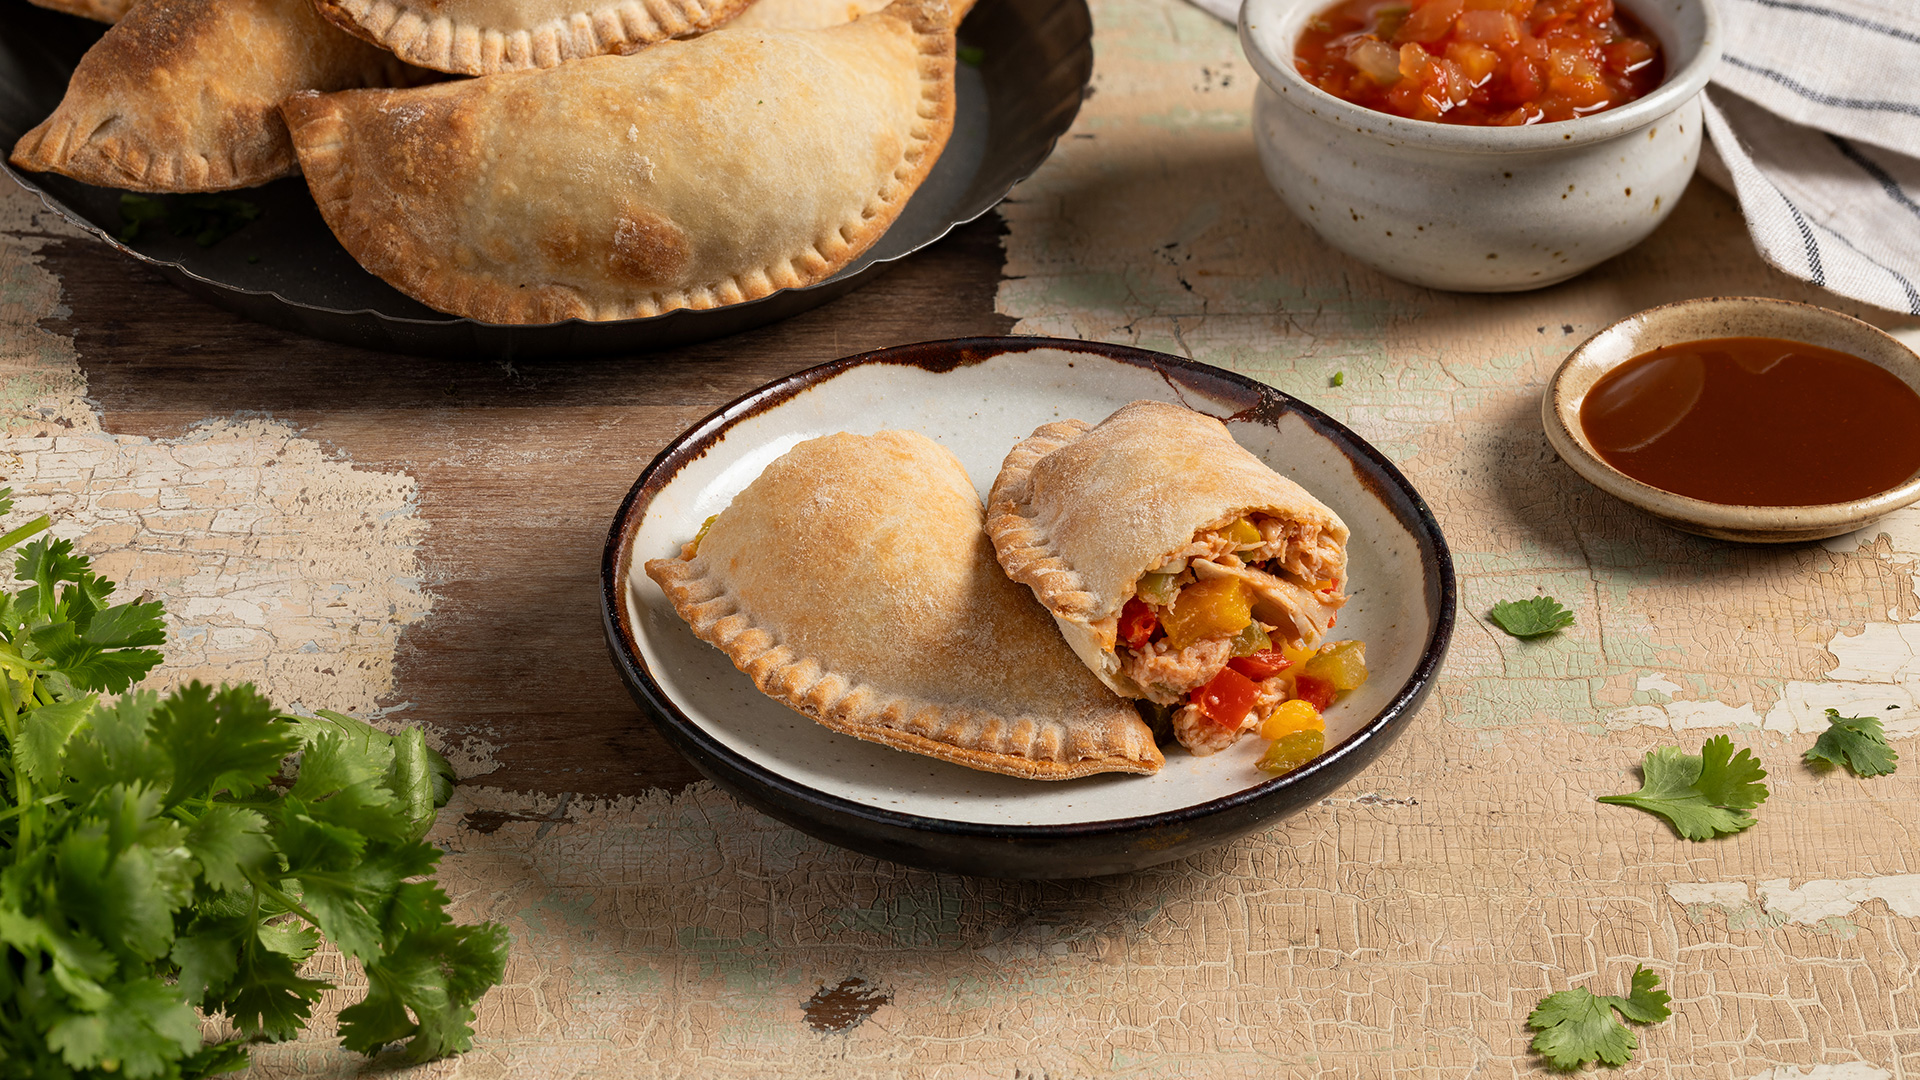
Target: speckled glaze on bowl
[
  {"x": 977, "y": 397},
  {"x": 1479, "y": 209},
  {"x": 1698, "y": 320}
]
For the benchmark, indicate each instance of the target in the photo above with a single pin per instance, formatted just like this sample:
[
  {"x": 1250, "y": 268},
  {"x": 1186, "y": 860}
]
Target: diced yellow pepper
[
  {"x": 1215, "y": 608},
  {"x": 1289, "y": 752},
  {"x": 701, "y": 535},
  {"x": 1342, "y": 663},
  {"x": 1299, "y": 654},
  {"x": 1289, "y": 717},
  {"x": 1242, "y": 532}
]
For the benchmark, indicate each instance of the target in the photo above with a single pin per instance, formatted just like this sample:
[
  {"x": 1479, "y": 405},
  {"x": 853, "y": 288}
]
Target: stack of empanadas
[
  {"x": 856, "y": 581},
  {"x": 610, "y": 162}
]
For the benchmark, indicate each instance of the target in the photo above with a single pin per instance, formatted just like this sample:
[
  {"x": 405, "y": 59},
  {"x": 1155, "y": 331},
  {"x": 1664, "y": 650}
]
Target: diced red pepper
[
  {"x": 1227, "y": 699},
  {"x": 1264, "y": 664},
  {"x": 1314, "y": 691},
  {"x": 1137, "y": 623}
]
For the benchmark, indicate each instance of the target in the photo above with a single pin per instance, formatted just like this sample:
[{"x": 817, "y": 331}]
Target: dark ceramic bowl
[
  {"x": 978, "y": 397},
  {"x": 1034, "y": 58}
]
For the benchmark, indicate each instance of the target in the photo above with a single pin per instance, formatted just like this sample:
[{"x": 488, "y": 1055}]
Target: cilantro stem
[
  {"x": 278, "y": 897},
  {"x": 37, "y": 525}
]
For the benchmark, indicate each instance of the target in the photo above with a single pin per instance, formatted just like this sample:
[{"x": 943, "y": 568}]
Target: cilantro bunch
[{"x": 164, "y": 854}]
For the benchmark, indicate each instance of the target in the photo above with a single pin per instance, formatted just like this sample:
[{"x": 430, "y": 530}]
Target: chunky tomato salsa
[{"x": 1484, "y": 62}]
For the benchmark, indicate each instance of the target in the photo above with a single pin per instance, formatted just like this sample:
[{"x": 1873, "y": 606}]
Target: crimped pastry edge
[
  {"x": 803, "y": 684},
  {"x": 1023, "y": 550},
  {"x": 387, "y": 252},
  {"x": 58, "y": 145},
  {"x": 425, "y": 38}
]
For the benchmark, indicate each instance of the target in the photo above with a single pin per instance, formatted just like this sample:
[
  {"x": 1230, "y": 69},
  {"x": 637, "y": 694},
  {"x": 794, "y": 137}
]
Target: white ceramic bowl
[
  {"x": 1699, "y": 320},
  {"x": 1480, "y": 209}
]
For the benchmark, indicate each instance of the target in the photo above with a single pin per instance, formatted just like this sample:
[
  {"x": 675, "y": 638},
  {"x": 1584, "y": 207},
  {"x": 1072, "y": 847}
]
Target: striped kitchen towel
[
  {"x": 1815, "y": 116},
  {"x": 1815, "y": 111}
]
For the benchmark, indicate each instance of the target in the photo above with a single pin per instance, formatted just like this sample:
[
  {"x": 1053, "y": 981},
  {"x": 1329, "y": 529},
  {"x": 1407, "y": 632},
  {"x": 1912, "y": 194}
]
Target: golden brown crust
[
  {"x": 184, "y": 95},
  {"x": 818, "y": 14},
  {"x": 690, "y": 175},
  {"x": 1079, "y": 512},
  {"x": 487, "y": 37},
  {"x": 105, "y": 11},
  {"x": 852, "y": 583}
]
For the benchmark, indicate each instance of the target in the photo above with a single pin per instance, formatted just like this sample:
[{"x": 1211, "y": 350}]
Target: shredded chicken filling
[{"x": 1289, "y": 568}]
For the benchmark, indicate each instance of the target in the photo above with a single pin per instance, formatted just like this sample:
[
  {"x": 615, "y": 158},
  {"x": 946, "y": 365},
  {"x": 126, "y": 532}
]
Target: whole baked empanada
[
  {"x": 818, "y": 14},
  {"x": 184, "y": 95},
  {"x": 1164, "y": 550},
  {"x": 853, "y": 583},
  {"x": 486, "y": 37},
  {"x": 691, "y": 174},
  {"x": 105, "y": 11}
]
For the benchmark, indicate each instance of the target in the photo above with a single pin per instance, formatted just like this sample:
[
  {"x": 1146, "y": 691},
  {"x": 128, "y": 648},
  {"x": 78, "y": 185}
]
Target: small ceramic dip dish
[
  {"x": 1479, "y": 209},
  {"x": 1707, "y": 320}
]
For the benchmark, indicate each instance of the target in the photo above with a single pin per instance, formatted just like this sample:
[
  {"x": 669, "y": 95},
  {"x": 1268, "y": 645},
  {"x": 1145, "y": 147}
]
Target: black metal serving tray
[{"x": 1032, "y": 60}]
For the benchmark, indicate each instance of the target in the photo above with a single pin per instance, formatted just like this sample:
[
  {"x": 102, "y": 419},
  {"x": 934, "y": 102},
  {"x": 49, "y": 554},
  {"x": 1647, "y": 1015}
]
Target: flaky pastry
[
  {"x": 105, "y": 11},
  {"x": 852, "y": 582},
  {"x": 689, "y": 175},
  {"x": 817, "y": 14},
  {"x": 486, "y": 37},
  {"x": 184, "y": 95}
]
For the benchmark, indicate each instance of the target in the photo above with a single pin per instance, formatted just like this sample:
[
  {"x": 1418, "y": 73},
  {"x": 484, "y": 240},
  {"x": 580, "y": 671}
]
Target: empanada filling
[{"x": 1217, "y": 623}]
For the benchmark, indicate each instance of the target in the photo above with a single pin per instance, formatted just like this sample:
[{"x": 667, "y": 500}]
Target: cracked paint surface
[{"x": 1402, "y": 928}]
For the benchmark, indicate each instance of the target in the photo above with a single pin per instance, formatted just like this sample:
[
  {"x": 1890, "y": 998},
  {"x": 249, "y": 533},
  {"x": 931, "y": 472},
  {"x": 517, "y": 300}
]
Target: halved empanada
[
  {"x": 184, "y": 95},
  {"x": 1164, "y": 550},
  {"x": 486, "y": 37},
  {"x": 105, "y": 11},
  {"x": 817, "y": 14},
  {"x": 692, "y": 174},
  {"x": 853, "y": 583}
]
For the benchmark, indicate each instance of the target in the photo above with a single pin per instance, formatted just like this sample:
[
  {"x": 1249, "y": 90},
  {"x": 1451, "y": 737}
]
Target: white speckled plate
[{"x": 978, "y": 398}]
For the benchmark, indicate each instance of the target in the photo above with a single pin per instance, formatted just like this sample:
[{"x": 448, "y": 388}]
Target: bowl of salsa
[
  {"x": 1480, "y": 145},
  {"x": 1743, "y": 418}
]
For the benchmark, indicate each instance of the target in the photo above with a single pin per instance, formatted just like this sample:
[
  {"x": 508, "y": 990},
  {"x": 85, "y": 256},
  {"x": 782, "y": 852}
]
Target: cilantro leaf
[
  {"x": 162, "y": 854},
  {"x": 1577, "y": 1026},
  {"x": 44, "y": 741},
  {"x": 231, "y": 845},
  {"x": 415, "y": 975},
  {"x": 232, "y": 740},
  {"x": 1704, "y": 796},
  {"x": 1858, "y": 742},
  {"x": 1531, "y": 618},
  {"x": 146, "y": 1027}
]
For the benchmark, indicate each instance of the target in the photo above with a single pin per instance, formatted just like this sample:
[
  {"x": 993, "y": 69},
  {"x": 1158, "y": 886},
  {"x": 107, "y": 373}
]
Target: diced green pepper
[
  {"x": 1289, "y": 752},
  {"x": 1251, "y": 640},
  {"x": 1157, "y": 589},
  {"x": 1342, "y": 663}
]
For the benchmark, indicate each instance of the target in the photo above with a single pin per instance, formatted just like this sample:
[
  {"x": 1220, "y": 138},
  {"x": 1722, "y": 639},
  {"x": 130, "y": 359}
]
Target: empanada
[
  {"x": 817, "y": 14},
  {"x": 1164, "y": 550},
  {"x": 691, "y": 174},
  {"x": 184, "y": 95},
  {"x": 486, "y": 37},
  {"x": 105, "y": 11},
  {"x": 853, "y": 583}
]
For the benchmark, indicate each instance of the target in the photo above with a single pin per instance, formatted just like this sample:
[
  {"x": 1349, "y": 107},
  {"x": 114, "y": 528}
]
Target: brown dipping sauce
[{"x": 1756, "y": 422}]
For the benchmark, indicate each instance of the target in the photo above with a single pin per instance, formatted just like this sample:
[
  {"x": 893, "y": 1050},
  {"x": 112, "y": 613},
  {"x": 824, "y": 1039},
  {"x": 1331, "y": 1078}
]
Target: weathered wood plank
[{"x": 520, "y": 468}]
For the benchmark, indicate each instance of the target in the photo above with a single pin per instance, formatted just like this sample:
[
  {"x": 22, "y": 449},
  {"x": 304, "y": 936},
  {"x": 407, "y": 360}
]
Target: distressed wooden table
[{"x": 420, "y": 540}]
